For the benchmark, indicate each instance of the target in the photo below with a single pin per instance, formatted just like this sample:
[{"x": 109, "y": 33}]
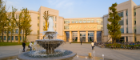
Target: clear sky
[{"x": 68, "y": 8}]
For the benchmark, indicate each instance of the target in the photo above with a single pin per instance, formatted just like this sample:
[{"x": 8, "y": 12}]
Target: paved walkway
[{"x": 82, "y": 50}]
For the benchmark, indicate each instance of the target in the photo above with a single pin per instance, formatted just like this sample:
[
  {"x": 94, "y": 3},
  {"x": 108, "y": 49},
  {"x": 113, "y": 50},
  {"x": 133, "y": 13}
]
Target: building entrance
[
  {"x": 90, "y": 36},
  {"x": 67, "y": 36},
  {"x": 83, "y": 36},
  {"x": 99, "y": 36}
]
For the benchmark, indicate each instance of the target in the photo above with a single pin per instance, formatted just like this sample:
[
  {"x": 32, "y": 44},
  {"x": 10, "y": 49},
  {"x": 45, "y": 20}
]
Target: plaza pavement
[{"x": 81, "y": 50}]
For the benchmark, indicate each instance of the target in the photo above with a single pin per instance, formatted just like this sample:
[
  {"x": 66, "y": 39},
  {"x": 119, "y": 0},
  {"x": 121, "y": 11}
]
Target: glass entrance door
[{"x": 83, "y": 36}]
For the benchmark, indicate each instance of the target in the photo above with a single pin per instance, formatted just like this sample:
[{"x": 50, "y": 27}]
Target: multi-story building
[
  {"x": 69, "y": 29},
  {"x": 130, "y": 27},
  {"x": 83, "y": 29}
]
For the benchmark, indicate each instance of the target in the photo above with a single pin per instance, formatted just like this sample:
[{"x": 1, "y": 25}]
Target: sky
[{"x": 68, "y": 8}]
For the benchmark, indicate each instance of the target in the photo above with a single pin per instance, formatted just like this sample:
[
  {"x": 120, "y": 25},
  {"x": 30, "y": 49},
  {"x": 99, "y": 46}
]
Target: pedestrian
[
  {"x": 92, "y": 45},
  {"x": 30, "y": 46},
  {"x": 23, "y": 45},
  {"x": 81, "y": 42}
]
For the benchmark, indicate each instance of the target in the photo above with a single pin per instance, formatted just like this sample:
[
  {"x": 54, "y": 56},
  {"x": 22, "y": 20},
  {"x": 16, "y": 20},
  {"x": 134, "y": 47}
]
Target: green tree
[
  {"x": 27, "y": 31},
  {"x": 46, "y": 17},
  {"x": 7, "y": 27},
  {"x": 26, "y": 23},
  {"x": 12, "y": 25},
  {"x": 3, "y": 18},
  {"x": 18, "y": 22},
  {"x": 114, "y": 26}
]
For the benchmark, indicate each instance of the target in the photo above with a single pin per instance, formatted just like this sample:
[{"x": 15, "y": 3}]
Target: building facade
[
  {"x": 68, "y": 29},
  {"x": 83, "y": 29},
  {"x": 130, "y": 27}
]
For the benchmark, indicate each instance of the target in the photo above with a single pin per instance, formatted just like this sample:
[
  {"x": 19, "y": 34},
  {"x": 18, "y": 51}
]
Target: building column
[
  {"x": 64, "y": 36},
  {"x": 95, "y": 36},
  {"x": 70, "y": 36},
  {"x": 124, "y": 39},
  {"x": 86, "y": 36},
  {"x": 78, "y": 33}
]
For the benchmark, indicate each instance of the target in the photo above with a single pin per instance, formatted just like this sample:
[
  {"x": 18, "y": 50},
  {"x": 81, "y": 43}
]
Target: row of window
[
  {"x": 82, "y": 21},
  {"x": 98, "y": 27},
  {"x": 83, "y": 34},
  {"x": 121, "y": 13},
  {"x": 122, "y": 30},
  {"x": 122, "y": 22},
  {"x": 16, "y": 31},
  {"x": 11, "y": 37}
]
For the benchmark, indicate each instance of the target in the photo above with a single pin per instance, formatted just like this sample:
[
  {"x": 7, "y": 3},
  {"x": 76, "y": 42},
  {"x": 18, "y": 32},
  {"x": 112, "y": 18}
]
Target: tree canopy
[{"x": 114, "y": 26}]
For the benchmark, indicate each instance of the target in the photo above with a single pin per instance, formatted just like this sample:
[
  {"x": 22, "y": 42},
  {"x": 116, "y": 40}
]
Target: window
[
  {"x": 90, "y": 33},
  {"x": 12, "y": 37},
  {"x": 21, "y": 31},
  {"x": 135, "y": 39},
  {"x": 66, "y": 22},
  {"x": 126, "y": 38},
  {"x": 20, "y": 38},
  {"x": 134, "y": 29},
  {"x": 126, "y": 21},
  {"x": 80, "y": 21},
  {"x": 8, "y": 37},
  {"x": 74, "y": 34},
  {"x": 126, "y": 12},
  {"x": 55, "y": 18},
  {"x": 38, "y": 17},
  {"x": 134, "y": 12},
  {"x": 66, "y": 27},
  {"x": 98, "y": 21},
  {"x": 135, "y": 21},
  {"x": 4, "y": 37},
  {"x": 16, "y": 37},
  {"x": 9, "y": 32},
  {"x": 122, "y": 30},
  {"x": 13, "y": 30},
  {"x": 121, "y": 22},
  {"x": 5, "y": 31},
  {"x": 88, "y": 21},
  {"x": 120, "y": 14},
  {"x": 127, "y": 30},
  {"x": 76, "y": 21},
  {"x": 92, "y": 21},
  {"x": 55, "y": 25},
  {"x": 84, "y": 21},
  {"x": 73, "y": 21},
  {"x": 16, "y": 31}
]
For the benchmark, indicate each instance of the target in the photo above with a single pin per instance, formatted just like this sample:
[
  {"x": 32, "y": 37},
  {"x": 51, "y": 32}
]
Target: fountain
[{"x": 49, "y": 43}]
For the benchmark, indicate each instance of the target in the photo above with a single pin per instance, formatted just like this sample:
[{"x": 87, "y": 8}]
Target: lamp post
[
  {"x": 94, "y": 54},
  {"x": 103, "y": 56}
]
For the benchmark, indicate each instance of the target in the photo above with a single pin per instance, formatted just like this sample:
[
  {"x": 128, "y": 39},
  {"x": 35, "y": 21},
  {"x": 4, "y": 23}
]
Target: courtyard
[{"x": 81, "y": 50}]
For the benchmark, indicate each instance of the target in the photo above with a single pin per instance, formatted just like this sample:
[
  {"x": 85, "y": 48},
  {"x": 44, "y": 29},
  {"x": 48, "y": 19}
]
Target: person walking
[
  {"x": 30, "y": 46},
  {"x": 92, "y": 44},
  {"x": 23, "y": 45},
  {"x": 81, "y": 42}
]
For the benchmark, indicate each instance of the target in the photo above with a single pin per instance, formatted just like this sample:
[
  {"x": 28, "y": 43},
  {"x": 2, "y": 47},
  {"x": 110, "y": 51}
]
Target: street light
[
  {"x": 103, "y": 56},
  {"x": 94, "y": 54}
]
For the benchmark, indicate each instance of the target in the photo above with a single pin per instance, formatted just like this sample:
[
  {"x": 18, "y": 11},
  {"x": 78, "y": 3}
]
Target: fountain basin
[
  {"x": 68, "y": 55},
  {"x": 50, "y": 45}
]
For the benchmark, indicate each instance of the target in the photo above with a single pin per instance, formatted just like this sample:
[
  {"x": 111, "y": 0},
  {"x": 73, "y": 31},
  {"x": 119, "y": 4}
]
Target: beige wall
[{"x": 122, "y": 7}]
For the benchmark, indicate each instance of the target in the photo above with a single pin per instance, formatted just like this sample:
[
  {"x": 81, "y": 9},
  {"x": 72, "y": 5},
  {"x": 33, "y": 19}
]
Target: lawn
[
  {"x": 82, "y": 42},
  {"x": 9, "y": 43}
]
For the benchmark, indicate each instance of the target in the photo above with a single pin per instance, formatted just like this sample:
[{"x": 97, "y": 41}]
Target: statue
[{"x": 50, "y": 24}]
